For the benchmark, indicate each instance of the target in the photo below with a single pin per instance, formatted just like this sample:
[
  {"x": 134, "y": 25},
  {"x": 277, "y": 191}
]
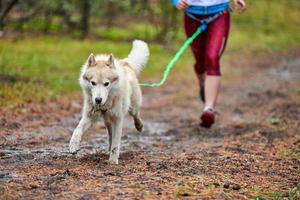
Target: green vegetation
[
  {"x": 48, "y": 66},
  {"x": 267, "y": 25},
  {"x": 182, "y": 191},
  {"x": 292, "y": 153},
  {"x": 293, "y": 194},
  {"x": 41, "y": 68}
]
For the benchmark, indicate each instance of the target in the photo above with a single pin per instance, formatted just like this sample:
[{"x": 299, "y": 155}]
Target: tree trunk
[
  {"x": 174, "y": 23},
  {"x": 146, "y": 12},
  {"x": 110, "y": 13},
  {"x": 47, "y": 21},
  {"x": 6, "y": 11},
  {"x": 164, "y": 20},
  {"x": 85, "y": 16}
]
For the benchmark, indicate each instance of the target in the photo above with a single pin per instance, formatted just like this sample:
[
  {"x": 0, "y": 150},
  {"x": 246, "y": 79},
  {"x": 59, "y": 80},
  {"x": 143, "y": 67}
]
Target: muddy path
[{"x": 252, "y": 151}]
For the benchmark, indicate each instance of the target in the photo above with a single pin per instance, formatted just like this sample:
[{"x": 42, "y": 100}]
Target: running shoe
[{"x": 207, "y": 118}]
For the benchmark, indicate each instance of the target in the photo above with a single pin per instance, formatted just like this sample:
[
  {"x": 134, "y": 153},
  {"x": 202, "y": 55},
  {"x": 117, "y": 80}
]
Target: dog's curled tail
[{"x": 138, "y": 55}]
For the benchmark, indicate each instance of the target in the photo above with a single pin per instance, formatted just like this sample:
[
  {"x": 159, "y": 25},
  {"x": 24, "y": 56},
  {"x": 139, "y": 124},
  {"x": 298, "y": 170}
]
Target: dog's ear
[
  {"x": 110, "y": 61},
  {"x": 91, "y": 60}
]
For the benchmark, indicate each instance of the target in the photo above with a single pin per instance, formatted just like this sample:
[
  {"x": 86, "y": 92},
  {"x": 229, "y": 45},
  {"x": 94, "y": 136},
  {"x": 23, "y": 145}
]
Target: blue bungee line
[{"x": 186, "y": 44}]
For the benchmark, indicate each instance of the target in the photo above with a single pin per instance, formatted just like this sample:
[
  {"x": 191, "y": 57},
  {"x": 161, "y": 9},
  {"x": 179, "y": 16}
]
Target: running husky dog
[{"x": 110, "y": 88}]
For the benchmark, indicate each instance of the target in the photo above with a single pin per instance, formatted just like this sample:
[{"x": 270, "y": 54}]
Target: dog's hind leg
[
  {"x": 84, "y": 124},
  {"x": 117, "y": 125},
  {"x": 134, "y": 110}
]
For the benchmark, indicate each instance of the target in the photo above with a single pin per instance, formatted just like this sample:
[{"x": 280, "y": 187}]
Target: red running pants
[{"x": 209, "y": 46}]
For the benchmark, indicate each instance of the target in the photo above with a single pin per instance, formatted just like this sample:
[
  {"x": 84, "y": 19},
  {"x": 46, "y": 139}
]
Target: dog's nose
[{"x": 98, "y": 100}]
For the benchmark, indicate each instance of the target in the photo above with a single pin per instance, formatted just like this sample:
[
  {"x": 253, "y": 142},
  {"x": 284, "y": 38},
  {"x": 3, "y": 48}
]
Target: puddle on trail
[
  {"x": 51, "y": 141},
  {"x": 287, "y": 71}
]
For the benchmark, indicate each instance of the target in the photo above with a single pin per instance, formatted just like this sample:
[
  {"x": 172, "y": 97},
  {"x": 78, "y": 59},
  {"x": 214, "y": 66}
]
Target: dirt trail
[{"x": 253, "y": 150}]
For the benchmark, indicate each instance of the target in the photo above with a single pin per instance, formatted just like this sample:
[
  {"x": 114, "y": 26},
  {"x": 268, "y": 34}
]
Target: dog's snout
[{"x": 98, "y": 100}]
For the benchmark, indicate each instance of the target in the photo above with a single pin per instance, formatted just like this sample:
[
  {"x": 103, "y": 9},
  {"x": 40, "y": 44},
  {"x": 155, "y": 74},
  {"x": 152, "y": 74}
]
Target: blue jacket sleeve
[{"x": 174, "y": 2}]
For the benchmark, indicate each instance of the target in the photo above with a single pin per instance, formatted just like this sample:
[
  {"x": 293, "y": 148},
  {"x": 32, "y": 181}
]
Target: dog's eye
[
  {"x": 93, "y": 83},
  {"x": 106, "y": 84}
]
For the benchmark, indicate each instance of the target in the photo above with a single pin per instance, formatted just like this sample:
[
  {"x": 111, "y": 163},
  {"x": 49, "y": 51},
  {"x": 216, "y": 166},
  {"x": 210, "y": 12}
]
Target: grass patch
[
  {"x": 293, "y": 194},
  {"x": 291, "y": 153},
  {"x": 22, "y": 93},
  {"x": 266, "y": 26},
  {"x": 182, "y": 191},
  {"x": 51, "y": 65},
  {"x": 143, "y": 190}
]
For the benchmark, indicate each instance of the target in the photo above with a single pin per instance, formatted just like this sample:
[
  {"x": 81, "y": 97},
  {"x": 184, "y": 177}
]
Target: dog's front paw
[
  {"x": 113, "y": 160},
  {"x": 73, "y": 148},
  {"x": 114, "y": 156},
  {"x": 74, "y": 145}
]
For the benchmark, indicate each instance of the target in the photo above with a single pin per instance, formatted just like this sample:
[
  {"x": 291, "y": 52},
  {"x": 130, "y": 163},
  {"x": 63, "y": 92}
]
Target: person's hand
[
  {"x": 182, "y": 4},
  {"x": 240, "y": 5}
]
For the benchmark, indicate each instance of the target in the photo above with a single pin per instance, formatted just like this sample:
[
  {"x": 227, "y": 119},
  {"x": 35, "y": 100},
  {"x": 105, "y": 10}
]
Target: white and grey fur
[{"x": 110, "y": 89}]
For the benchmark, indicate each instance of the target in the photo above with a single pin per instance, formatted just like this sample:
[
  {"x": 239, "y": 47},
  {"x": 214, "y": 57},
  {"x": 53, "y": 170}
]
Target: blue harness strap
[{"x": 209, "y": 19}]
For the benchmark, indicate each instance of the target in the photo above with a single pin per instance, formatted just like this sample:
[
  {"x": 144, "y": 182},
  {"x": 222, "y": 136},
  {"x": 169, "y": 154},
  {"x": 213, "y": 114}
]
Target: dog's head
[{"x": 100, "y": 77}]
